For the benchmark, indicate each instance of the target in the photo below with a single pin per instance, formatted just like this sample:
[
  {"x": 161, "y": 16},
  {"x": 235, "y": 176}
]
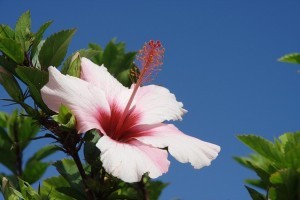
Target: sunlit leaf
[
  {"x": 87, "y": 53},
  {"x": 8, "y": 190},
  {"x": 38, "y": 38},
  {"x": 291, "y": 58},
  {"x": 6, "y": 32},
  {"x": 35, "y": 79},
  {"x": 55, "y": 48},
  {"x": 28, "y": 192},
  {"x": 12, "y": 49},
  {"x": 261, "y": 146},
  {"x": 11, "y": 86},
  {"x": 51, "y": 186},
  {"x": 22, "y": 31},
  {"x": 65, "y": 117}
]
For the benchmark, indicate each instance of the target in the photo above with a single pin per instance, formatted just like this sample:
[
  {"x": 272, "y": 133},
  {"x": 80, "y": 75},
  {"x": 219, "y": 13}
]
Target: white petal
[
  {"x": 157, "y": 104},
  {"x": 130, "y": 161},
  {"x": 86, "y": 101},
  {"x": 183, "y": 147},
  {"x": 99, "y": 76}
]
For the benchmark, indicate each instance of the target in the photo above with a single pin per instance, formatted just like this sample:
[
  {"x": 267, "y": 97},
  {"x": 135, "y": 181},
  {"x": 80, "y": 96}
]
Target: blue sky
[{"x": 220, "y": 61}]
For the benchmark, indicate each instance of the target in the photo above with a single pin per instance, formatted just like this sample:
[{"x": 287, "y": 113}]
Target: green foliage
[
  {"x": 12, "y": 49},
  {"x": 35, "y": 80},
  {"x": 6, "y": 32},
  {"x": 291, "y": 58},
  {"x": 277, "y": 165},
  {"x": 69, "y": 171},
  {"x": 55, "y": 48},
  {"x": 11, "y": 86},
  {"x": 25, "y": 56},
  {"x": 155, "y": 188},
  {"x": 73, "y": 68},
  {"x": 65, "y": 118},
  {"x": 16, "y": 132},
  {"x": 38, "y": 39},
  {"x": 114, "y": 58},
  {"x": 23, "y": 34},
  {"x": 255, "y": 195}
]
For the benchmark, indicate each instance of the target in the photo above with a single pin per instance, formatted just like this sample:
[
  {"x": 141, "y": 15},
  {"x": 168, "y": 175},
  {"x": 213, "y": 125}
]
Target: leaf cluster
[
  {"x": 277, "y": 165},
  {"x": 24, "y": 58},
  {"x": 16, "y": 133}
]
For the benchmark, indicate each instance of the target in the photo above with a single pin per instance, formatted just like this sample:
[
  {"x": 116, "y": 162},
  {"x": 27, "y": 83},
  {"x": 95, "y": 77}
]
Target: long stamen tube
[{"x": 149, "y": 59}]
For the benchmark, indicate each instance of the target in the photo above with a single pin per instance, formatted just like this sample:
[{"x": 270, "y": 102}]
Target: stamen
[{"x": 149, "y": 59}]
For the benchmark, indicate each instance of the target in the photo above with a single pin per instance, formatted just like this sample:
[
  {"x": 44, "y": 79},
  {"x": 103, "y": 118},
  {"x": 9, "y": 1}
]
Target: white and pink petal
[
  {"x": 130, "y": 161},
  {"x": 85, "y": 100},
  {"x": 99, "y": 76},
  {"x": 157, "y": 105},
  {"x": 182, "y": 147}
]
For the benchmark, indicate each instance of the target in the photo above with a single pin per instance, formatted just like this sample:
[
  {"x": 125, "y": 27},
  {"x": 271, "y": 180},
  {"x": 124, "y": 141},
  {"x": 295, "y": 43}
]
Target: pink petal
[
  {"x": 130, "y": 161},
  {"x": 99, "y": 76},
  {"x": 157, "y": 104},
  {"x": 86, "y": 101},
  {"x": 183, "y": 147}
]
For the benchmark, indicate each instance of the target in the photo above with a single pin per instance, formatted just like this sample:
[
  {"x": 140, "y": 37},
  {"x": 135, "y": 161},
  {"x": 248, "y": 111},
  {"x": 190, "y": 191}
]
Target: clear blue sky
[{"x": 220, "y": 61}]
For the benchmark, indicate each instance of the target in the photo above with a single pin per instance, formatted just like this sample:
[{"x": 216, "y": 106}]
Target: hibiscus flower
[{"x": 134, "y": 138}]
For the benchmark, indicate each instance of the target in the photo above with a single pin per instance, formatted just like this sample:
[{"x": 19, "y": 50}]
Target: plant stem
[
  {"x": 18, "y": 151},
  {"x": 83, "y": 175},
  {"x": 69, "y": 141},
  {"x": 142, "y": 186}
]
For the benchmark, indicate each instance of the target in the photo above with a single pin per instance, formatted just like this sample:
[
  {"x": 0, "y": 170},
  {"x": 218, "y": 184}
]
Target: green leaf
[
  {"x": 291, "y": 58},
  {"x": 154, "y": 189},
  {"x": 124, "y": 78},
  {"x": 285, "y": 184},
  {"x": 22, "y": 31},
  {"x": 7, "y": 156},
  {"x": 98, "y": 58},
  {"x": 55, "y": 48},
  {"x": 6, "y": 32},
  {"x": 35, "y": 79},
  {"x": 12, "y": 49},
  {"x": 257, "y": 183},
  {"x": 51, "y": 186},
  {"x": 35, "y": 60},
  {"x": 110, "y": 56},
  {"x": 289, "y": 141},
  {"x": 261, "y": 146},
  {"x": 87, "y": 53},
  {"x": 27, "y": 191},
  {"x": 8, "y": 191},
  {"x": 68, "y": 169},
  {"x": 255, "y": 195},
  {"x": 38, "y": 38},
  {"x": 75, "y": 67},
  {"x": 34, "y": 170},
  {"x": 11, "y": 86},
  {"x": 9, "y": 65},
  {"x": 91, "y": 152},
  {"x": 65, "y": 117},
  {"x": 26, "y": 129}
]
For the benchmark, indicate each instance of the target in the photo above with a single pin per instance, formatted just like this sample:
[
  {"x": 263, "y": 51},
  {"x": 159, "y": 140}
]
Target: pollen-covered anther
[{"x": 150, "y": 59}]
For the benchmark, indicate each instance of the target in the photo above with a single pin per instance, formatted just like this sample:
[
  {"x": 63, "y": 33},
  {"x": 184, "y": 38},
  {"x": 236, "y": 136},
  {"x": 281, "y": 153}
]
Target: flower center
[{"x": 110, "y": 123}]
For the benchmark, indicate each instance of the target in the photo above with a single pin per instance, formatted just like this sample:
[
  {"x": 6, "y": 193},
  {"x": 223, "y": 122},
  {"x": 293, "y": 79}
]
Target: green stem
[{"x": 18, "y": 151}]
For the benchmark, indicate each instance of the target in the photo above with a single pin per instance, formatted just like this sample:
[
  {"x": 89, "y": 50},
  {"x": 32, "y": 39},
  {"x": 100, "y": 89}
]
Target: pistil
[{"x": 149, "y": 60}]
